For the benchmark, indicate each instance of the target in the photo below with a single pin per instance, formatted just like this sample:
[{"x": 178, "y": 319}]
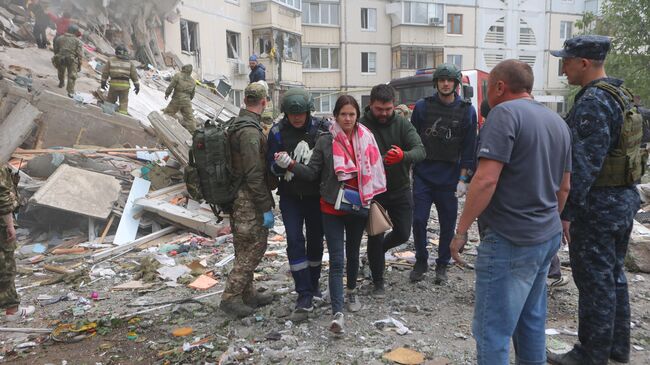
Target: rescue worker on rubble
[
  {"x": 258, "y": 72},
  {"x": 599, "y": 213},
  {"x": 120, "y": 70},
  {"x": 183, "y": 86},
  {"x": 296, "y": 133},
  {"x": 41, "y": 22},
  {"x": 400, "y": 146},
  {"x": 67, "y": 58},
  {"x": 252, "y": 214},
  {"x": 447, "y": 126},
  {"x": 9, "y": 300}
]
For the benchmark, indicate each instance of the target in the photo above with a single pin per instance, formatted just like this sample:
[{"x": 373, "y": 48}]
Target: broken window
[
  {"x": 286, "y": 44},
  {"x": 232, "y": 43},
  {"x": 189, "y": 36}
]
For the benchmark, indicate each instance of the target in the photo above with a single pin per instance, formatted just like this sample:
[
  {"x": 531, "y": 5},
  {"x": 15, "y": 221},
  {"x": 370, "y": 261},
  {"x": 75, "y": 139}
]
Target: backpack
[
  {"x": 625, "y": 164},
  {"x": 208, "y": 175}
]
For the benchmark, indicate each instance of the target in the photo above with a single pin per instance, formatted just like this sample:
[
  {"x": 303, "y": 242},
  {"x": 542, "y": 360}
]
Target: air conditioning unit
[
  {"x": 436, "y": 22},
  {"x": 242, "y": 69}
]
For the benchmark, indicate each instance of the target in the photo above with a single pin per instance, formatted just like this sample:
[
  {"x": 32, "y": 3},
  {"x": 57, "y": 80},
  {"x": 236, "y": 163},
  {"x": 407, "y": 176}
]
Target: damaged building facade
[{"x": 344, "y": 46}]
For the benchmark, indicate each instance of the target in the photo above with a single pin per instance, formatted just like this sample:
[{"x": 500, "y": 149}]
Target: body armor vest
[{"x": 442, "y": 132}]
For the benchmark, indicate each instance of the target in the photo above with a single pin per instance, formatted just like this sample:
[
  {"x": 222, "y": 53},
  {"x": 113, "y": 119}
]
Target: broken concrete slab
[
  {"x": 15, "y": 129},
  {"x": 173, "y": 135},
  {"x": 79, "y": 191},
  {"x": 100, "y": 256}
]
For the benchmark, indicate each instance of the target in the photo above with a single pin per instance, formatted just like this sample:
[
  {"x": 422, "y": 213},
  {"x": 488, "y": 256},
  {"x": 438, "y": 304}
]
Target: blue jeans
[
  {"x": 511, "y": 299},
  {"x": 447, "y": 207},
  {"x": 335, "y": 227}
]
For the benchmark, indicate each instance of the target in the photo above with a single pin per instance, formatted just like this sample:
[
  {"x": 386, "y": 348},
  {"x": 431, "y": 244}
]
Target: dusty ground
[{"x": 438, "y": 316}]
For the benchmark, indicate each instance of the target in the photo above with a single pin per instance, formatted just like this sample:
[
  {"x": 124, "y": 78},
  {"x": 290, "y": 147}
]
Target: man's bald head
[
  {"x": 517, "y": 75},
  {"x": 510, "y": 79}
]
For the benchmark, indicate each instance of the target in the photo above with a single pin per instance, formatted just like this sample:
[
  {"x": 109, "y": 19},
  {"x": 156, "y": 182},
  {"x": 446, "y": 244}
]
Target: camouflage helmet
[
  {"x": 73, "y": 29},
  {"x": 187, "y": 69},
  {"x": 255, "y": 91},
  {"x": 121, "y": 51},
  {"x": 297, "y": 101},
  {"x": 448, "y": 71}
]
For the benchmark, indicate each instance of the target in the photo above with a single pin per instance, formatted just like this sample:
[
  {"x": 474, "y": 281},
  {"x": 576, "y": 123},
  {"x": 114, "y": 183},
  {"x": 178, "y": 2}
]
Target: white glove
[
  {"x": 283, "y": 160},
  {"x": 302, "y": 153},
  {"x": 461, "y": 189},
  {"x": 288, "y": 176}
]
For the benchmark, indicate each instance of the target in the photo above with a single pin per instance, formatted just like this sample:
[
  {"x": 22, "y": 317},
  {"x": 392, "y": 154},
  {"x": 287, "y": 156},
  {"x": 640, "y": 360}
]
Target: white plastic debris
[{"x": 391, "y": 322}]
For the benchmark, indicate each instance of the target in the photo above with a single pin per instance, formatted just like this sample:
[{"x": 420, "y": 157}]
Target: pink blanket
[{"x": 366, "y": 163}]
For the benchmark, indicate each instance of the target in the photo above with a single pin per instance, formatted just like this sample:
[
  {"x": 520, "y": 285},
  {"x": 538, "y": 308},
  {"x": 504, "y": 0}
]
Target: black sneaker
[
  {"x": 417, "y": 274},
  {"x": 441, "y": 274},
  {"x": 378, "y": 291}
]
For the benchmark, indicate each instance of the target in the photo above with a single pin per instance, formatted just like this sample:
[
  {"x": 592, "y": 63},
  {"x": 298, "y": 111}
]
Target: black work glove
[
  {"x": 136, "y": 88},
  {"x": 104, "y": 85}
]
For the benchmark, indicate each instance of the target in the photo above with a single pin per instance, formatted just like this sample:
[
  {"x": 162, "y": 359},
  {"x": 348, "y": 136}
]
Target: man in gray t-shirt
[{"x": 518, "y": 191}]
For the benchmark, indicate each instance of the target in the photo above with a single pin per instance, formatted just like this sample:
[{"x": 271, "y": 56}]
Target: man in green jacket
[
  {"x": 252, "y": 214},
  {"x": 183, "y": 86},
  {"x": 67, "y": 57},
  {"x": 120, "y": 70},
  {"x": 400, "y": 146}
]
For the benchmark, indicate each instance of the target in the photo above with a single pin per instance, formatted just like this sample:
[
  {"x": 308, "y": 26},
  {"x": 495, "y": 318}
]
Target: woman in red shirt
[{"x": 348, "y": 163}]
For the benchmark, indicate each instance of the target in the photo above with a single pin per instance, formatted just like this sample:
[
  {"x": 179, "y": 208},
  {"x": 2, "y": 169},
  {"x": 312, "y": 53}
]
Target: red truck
[{"x": 410, "y": 89}]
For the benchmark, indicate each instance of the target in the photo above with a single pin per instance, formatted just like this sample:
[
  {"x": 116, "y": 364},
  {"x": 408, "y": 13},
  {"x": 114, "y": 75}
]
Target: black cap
[{"x": 593, "y": 47}]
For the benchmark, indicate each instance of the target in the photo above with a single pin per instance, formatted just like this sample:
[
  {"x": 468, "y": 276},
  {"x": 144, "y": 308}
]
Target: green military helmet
[
  {"x": 448, "y": 71},
  {"x": 121, "y": 51},
  {"x": 187, "y": 69},
  {"x": 297, "y": 101},
  {"x": 73, "y": 29}
]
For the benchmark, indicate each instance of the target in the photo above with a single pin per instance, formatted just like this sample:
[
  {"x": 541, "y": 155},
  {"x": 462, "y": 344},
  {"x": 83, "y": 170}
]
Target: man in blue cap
[
  {"x": 599, "y": 213},
  {"x": 258, "y": 71}
]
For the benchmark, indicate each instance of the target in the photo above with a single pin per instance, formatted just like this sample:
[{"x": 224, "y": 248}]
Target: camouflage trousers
[
  {"x": 8, "y": 295},
  {"x": 115, "y": 94},
  {"x": 185, "y": 107},
  {"x": 599, "y": 240},
  {"x": 69, "y": 66},
  {"x": 250, "y": 241}
]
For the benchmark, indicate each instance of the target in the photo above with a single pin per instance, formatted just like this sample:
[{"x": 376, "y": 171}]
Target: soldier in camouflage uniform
[
  {"x": 252, "y": 214},
  {"x": 120, "y": 70},
  {"x": 67, "y": 58},
  {"x": 8, "y": 203},
  {"x": 599, "y": 212},
  {"x": 183, "y": 86}
]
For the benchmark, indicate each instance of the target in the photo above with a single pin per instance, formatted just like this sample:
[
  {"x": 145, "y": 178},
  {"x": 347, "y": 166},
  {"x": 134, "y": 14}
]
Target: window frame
[
  {"x": 431, "y": 9},
  {"x": 318, "y": 101},
  {"x": 307, "y": 52},
  {"x": 452, "y": 57},
  {"x": 367, "y": 63},
  {"x": 238, "y": 45},
  {"x": 332, "y": 8},
  {"x": 370, "y": 27},
  {"x": 191, "y": 45},
  {"x": 563, "y": 29},
  {"x": 452, "y": 23}
]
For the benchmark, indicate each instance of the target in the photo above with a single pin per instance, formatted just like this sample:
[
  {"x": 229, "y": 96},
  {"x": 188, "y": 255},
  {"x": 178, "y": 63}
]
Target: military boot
[
  {"x": 236, "y": 307},
  {"x": 61, "y": 84},
  {"x": 314, "y": 273},
  {"x": 258, "y": 299}
]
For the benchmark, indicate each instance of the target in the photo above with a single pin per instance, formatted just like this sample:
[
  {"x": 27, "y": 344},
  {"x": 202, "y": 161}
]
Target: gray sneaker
[
  {"x": 353, "y": 301},
  {"x": 336, "y": 326}
]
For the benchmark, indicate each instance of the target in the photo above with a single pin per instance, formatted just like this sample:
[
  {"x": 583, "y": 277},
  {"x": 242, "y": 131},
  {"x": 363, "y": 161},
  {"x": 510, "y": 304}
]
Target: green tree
[{"x": 628, "y": 23}]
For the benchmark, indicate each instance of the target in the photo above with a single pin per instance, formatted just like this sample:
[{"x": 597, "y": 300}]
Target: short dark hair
[
  {"x": 516, "y": 74},
  {"x": 344, "y": 100},
  {"x": 251, "y": 101},
  {"x": 383, "y": 93}
]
